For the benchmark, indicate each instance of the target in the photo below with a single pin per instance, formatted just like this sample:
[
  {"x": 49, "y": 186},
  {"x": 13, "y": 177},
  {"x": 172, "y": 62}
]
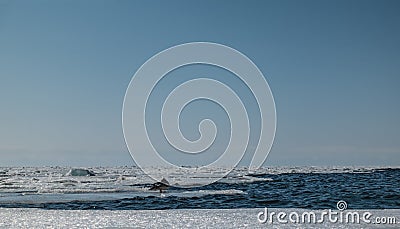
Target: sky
[{"x": 333, "y": 68}]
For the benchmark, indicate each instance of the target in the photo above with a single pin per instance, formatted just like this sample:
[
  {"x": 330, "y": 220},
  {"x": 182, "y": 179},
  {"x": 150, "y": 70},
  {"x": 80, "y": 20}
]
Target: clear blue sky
[{"x": 333, "y": 67}]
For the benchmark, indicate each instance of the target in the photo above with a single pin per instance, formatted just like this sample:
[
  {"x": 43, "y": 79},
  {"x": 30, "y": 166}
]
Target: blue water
[{"x": 377, "y": 188}]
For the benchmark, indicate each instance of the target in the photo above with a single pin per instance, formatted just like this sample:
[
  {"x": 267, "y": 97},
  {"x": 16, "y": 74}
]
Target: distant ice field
[{"x": 127, "y": 188}]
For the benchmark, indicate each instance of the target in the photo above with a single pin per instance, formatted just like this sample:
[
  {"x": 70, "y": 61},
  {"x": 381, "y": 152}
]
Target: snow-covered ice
[{"x": 181, "y": 218}]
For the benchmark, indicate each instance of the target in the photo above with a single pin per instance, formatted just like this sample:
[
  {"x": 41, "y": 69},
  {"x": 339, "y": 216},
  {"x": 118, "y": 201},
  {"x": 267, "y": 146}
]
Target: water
[{"x": 126, "y": 188}]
